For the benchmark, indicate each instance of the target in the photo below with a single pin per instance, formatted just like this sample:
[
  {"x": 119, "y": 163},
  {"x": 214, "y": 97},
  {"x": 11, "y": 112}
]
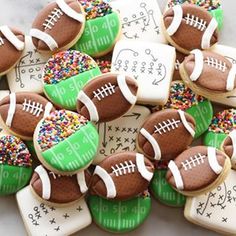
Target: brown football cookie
[
  {"x": 165, "y": 134},
  {"x": 57, "y": 189},
  {"x": 58, "y": 26},
  {"x": 21, "y": 112},
  {"x": 122, "y": 176},
  {"x": 188, "y": 27},
  {"x": 198, "y": 170},
  {"x": 107, "y": 97},
  {"x": 12, "y": 43}
]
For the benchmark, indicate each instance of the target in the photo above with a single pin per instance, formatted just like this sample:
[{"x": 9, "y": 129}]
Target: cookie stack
[{"x": 109, "y": 111}]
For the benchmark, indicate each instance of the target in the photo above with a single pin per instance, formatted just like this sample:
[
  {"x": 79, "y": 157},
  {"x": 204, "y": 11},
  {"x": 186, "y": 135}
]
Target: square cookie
[
  {"x": 151, "y": 64},
  {"x": 41, "y": 219}
]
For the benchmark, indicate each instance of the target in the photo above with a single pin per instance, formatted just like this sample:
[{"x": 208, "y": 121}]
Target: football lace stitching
[
  {"x": 32, "y": 107},
  {"x": 1, "y": 41},
  {"x": 195, "y": 22},
  {"x": 104, "y": 91},
  {"x": 193, "y": 161},
  {"x": 123, "y": 168},
  {"x": 52, "y": 18},
  {"x": 217, "y": 64},
  {"x": 166, "y": 126}
]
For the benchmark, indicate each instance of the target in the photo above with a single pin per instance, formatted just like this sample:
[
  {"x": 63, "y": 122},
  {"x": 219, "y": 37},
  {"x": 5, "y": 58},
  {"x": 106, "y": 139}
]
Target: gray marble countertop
[{"x": 163, "y": 220}]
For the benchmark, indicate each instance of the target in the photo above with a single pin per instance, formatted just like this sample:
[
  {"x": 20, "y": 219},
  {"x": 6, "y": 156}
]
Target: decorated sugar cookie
[
  {"x": 58, "y": 26},
  {"x": 221, "y": 125},
  {"x": 15, "y": 164},
  {"x": 163, "y": 192},
  {"x": 183, "y": 98},
  {"x": 12, "y": 43},
  {"x": 102, "y": 28},
  {"x": 215, "y": 210},
  {"x": 56, "y": 189},
  {"x": 198, "y": 170},
  {"x": 4, "y": 93},
  {"x": 151, "y": 64},
  {"x": 40, "y": 218},
  {"x": 179, "y": 59},
  {"x": 65, "y": 74},
  {"x": 165, "y": 134},
  {"x": 107, "y": 97},
  {"x": 122, "y": 176},
  {"x": 141, "y": 20},
  {"x": 119, "y": 216},
  {"x": 120, "y": 134},
  {"x": 65, "y": 142},
  {"x": 188, "y": 27},
  {"x": 26, "y": 76},
  {"x": 21, "y": 112}
]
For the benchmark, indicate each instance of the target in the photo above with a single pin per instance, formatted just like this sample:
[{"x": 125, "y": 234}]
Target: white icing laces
[
  {"x": 1, "y": 41},
  {"x": 104, "y": 91},
  {"x": 123, "y": 168},
  {"x": 195, "y": 22},
  {"x": 217, "y": 64},
  {"x": 166, "y": 126},
  {"x": 193, "y": 161},
  {"x": 32, "y": 107},
  {"x": 52, "y": 18}
]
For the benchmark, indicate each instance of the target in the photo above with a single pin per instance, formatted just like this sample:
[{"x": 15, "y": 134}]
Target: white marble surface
[{"x": 163, "y": 220}]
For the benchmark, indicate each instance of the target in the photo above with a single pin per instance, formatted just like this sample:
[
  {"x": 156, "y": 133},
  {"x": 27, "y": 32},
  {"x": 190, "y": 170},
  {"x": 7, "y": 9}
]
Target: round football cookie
[
  {"x": 165, "y": 134},
  {"x": 59, "y": 190},
  {"x": 65, "y": 142},
  {"x": 163, "y": 192},
  {"x": 122, "y": 176},
  {"x": 15, "y": 165},
  {"x": 188, "y": 27},
  {"x": 21, "y": 112},
  {"x": 198, "y": 170},
  {"x": 58, "y": 26},
  {"x": 183, "y": 98},
  {"x": 102, "y": 28},
  {"x": 120, "y": 216},
  {"x": 65, "y": 74},
  {"x": 107, "y": 97},
  {"x": 221, "y": 125},
  {"x": 12, "y": 43}
]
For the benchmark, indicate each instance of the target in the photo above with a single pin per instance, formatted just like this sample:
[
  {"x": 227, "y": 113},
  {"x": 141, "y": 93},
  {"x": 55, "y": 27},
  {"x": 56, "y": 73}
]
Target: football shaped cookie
[
  {"x": 198, "y": 170},
  {"x": 12, "y": 43},
  {"x": 21, "y": 112},
  {"x": 165, "y": 134},
  {"x": 122, "y": 176},
  {"x": 58, "y": 26},
  {"x": 189, "y": 27},
  {"x": 59, "y": 190},
  {"x": 107, "y": 97}
]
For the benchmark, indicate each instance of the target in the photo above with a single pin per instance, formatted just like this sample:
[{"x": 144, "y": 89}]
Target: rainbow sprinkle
[
  {"x": 223, "y": 122},
  {"x": 66, "y": 64},
  {"x": 95, "y": 8},
  {"x": 209, "y": 5},
  {"x": 57, "y": 127},
  {"x": 14, "y": 152},
  {"x": 182, "y": 97},
  {"x": 104, "y": 65}
]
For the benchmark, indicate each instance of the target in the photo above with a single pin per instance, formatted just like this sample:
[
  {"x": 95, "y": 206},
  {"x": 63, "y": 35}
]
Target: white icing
[
  {"x": 104, "y": 91},
  {"x": 93, "y": 113},
  {"x": 146, "y": 174},
  {"x": 166, "y": 126},
  {"x": 231, "y": 78},
  {"x": 46, "y": 38},
  {"x": 212, "y": 159},
  {"x": 153, "y": 142},
  {"x": 47, "y": 109},
  {"x": 232, "y": 135},
  {"x": 199, "y": 62},
  {"x": 215, "y": 63},
  {"x": 123, "y": 168},
  {"x": 193, "y": 161},
  {"x": 11, "y": 110},
  {"x": 176, "y": 174},
  {"x": 195, "y": 22},
  {"x": 185, "y": 123},
  {"x": 121, "y": 80},
  {"x": 178, "y": 16},
  {"x": 52, "y": 19},
  {"x": 82, "y": 182},
  {"x": 34, "y": 108},
  {"x": 106, "y": 178}
]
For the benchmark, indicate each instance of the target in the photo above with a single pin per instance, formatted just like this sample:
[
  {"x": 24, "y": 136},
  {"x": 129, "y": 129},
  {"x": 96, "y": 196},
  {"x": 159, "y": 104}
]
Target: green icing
[
  {"x": 75, "y": 152},
  {"x": 119, "y": 216},
  {"x": 64, "y": 94},
  {"x": 99, "y": 35},
  {"x": 163, "y": 192},
  {"x": 219, "y": 16},
  {"x": 13, "y": 178},
  {"x": 214, "y": 139},
  {"x": 203, "y": 114}
]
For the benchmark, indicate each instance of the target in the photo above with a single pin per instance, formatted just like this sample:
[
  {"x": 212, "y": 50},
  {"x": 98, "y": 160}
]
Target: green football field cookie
[
  {"x": 15, "y": 165},
  {"x": 119, "y": 216},
  {"x": 183, "y": 98},
  {"x": 163, "y": 192},
  {"x": 102, "y": 29}
]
